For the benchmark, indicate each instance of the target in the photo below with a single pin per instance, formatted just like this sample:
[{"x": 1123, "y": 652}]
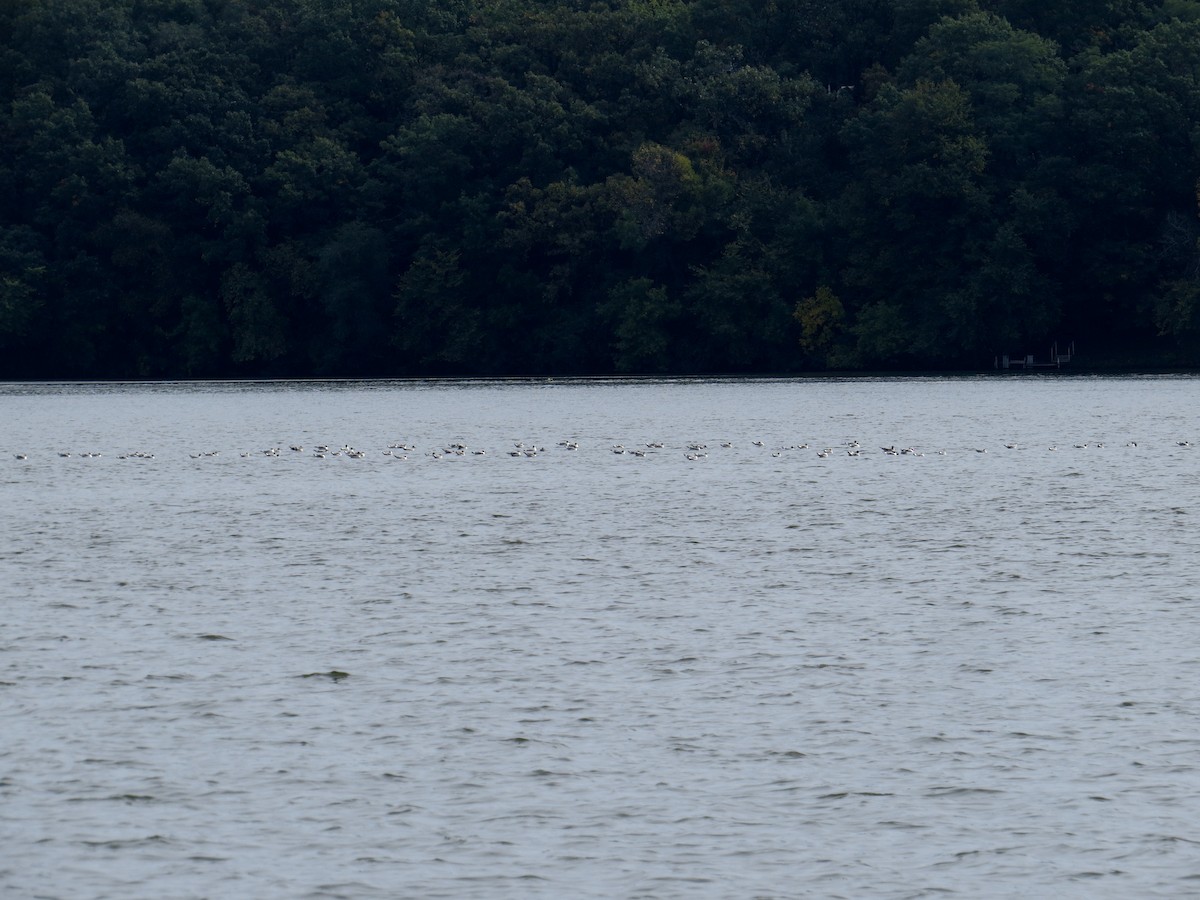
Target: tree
[
  {"x": 438, "y": 327},
  {"x": 23, "y": 272},
  {"x": 353, "y": 273},
  {"x": 1014, "y": 81},
  {"x": 821, "y": 318},
  {"x": 919, "y": 195},
  {"x": 644, "y": 320}
]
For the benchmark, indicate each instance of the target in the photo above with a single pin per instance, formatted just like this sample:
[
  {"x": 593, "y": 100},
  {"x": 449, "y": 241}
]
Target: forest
[{"x": 378, "y": 188}]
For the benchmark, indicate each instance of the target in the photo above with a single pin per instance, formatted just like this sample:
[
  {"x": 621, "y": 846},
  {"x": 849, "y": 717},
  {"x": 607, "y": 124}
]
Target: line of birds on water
[
  {"x": 66, "y": 454},
  {"x": 694, "y": 451}
]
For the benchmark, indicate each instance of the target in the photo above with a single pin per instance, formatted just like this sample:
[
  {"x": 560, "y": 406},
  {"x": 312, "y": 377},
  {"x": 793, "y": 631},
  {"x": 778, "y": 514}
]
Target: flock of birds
[{"x": 695, "y": 451}]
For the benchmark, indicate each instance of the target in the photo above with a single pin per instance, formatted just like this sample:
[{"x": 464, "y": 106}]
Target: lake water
[{"x": 581, "y": 673}]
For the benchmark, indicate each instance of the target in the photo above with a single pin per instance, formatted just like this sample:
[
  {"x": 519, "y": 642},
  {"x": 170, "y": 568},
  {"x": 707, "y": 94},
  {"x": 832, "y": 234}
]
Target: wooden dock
[{"x": 1055, "y": 359}]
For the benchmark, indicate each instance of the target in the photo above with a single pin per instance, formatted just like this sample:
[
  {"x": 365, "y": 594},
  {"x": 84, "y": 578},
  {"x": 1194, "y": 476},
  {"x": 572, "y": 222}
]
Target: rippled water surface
[{"x": 758, "y": 672}]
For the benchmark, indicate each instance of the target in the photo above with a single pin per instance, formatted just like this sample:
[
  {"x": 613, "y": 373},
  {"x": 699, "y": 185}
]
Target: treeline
[{"x": 195, "y": 188}]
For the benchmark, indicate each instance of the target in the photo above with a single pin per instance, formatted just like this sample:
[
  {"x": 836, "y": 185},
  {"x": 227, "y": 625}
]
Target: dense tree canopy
[{"x": 199, "y": 188}]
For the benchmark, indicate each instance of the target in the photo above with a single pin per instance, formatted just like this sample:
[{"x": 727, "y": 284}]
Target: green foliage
[
  {"x": 1014, "y": 80},
  {"x": 884, "y": 333},
  {"x": 377, "y": 187},
  {"x": 22, "y": 282},
  {"x": 913, "y": 18},
  {"x": 1183, "y": 10},
  {"x": 643, "y": 318},
  {"x": 259, "y": 331},
  {"x": 743, "y": 323},
  {"x": 821, "y": 319},
  {"x": 438, "y": 327}
]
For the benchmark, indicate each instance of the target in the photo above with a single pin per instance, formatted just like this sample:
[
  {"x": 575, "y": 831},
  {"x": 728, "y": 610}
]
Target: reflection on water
[{"x": 590, "y": 673}]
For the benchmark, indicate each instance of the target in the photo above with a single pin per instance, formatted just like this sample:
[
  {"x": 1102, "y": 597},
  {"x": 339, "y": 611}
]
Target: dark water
[{"x": 582, "y": 673}]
